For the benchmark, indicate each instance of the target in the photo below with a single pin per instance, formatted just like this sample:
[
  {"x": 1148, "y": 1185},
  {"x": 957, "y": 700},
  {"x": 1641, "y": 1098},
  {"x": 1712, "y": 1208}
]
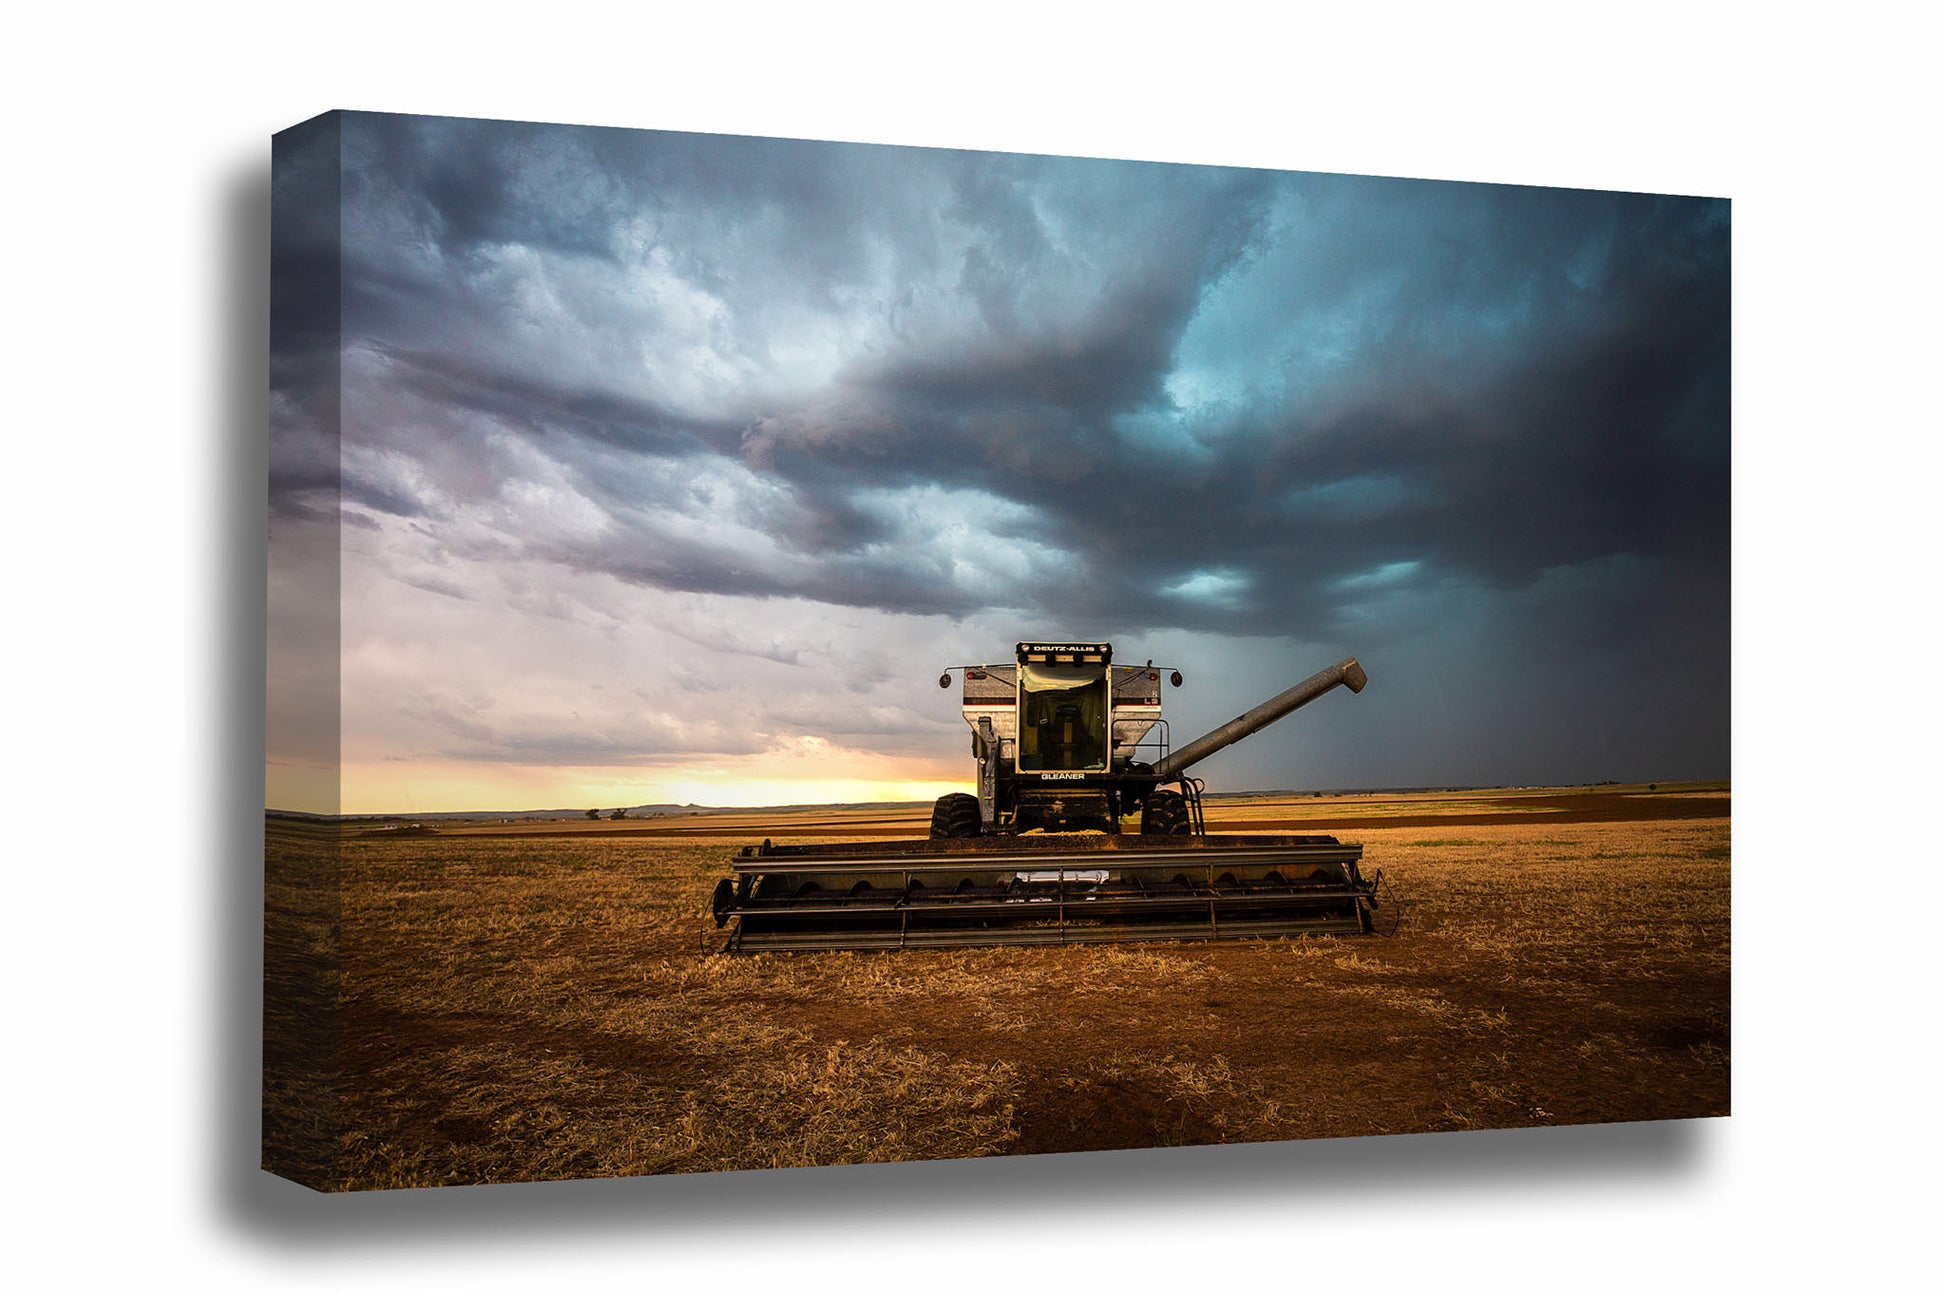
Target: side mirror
[
  {"x": 1175, "y": 678},
  {"x": 945, "y": 680}
]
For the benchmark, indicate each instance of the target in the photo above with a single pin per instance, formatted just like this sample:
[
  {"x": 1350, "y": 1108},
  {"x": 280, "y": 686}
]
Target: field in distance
[
  {"x": 543, "y": 1001},
  {"x": 1225, "y": 812}
]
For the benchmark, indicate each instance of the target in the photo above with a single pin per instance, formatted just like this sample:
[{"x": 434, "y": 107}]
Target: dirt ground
[{"x": 472, "y": 1004}]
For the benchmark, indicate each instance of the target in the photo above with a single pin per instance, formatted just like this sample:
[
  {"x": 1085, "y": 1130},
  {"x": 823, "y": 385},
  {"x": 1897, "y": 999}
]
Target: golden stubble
[{"x": 523, "y": 1009}]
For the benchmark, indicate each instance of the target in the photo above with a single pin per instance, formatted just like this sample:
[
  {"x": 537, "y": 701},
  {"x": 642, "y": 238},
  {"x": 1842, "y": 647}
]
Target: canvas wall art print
[{"x": 789, "y": 653}]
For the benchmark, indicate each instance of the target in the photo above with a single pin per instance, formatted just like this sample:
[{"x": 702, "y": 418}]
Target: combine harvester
[{"x": 1059, "y": 737}]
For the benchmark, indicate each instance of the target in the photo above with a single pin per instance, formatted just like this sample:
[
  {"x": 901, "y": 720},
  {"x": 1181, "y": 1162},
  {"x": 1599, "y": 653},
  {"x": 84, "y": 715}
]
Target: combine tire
[
  {"x": 1164, "y": 812},
  {"x": 956, "y": 816}
]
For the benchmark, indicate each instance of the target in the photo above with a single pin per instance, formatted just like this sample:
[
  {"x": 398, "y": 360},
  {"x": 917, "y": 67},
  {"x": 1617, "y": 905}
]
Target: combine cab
[{"x": 1041, "y": 852}]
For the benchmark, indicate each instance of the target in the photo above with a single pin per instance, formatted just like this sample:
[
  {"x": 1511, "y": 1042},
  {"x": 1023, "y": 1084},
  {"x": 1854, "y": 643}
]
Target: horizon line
[{"x": 666, "y": 809}]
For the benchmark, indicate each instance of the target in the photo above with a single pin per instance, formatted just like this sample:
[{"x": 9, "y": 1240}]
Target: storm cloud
[{"x": 1482, "y": 429}]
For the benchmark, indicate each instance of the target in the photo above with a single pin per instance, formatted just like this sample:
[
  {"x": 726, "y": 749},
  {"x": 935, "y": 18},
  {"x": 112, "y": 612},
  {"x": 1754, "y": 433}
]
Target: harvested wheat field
[{"x": 529, "y": 1004}]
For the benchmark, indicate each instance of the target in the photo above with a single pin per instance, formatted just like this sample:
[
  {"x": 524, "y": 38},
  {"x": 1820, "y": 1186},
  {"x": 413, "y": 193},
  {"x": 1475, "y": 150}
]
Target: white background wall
[{"x": 137, "y": 160}]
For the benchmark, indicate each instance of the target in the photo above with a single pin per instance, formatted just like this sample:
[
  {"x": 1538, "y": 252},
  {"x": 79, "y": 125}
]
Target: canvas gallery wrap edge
[{"x": 788, "y": 653}]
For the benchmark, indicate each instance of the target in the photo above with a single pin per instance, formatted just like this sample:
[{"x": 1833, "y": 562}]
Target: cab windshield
[{"x": 1063, "y": 717}]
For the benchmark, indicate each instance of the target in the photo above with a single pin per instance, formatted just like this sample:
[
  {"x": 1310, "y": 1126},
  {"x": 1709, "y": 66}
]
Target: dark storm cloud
[
  {"x": 1125, "y": 395},
  {"x": 305, "y": 324},
  {"x": 1577, "y": 422},
  {"x": 998, "y": 313}
]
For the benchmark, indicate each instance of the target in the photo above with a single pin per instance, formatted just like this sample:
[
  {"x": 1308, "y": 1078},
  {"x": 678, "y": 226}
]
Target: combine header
[{"x": 1059, "y": 739}]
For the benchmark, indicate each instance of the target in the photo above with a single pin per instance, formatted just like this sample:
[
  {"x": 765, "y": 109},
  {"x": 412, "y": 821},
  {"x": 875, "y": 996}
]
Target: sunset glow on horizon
[{"x": 402, "y": 789}]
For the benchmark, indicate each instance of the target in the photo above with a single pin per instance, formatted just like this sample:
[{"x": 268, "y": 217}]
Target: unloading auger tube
[
  {"x": 1037, "y": 879},
  {"x": 1346, "y": 672}
]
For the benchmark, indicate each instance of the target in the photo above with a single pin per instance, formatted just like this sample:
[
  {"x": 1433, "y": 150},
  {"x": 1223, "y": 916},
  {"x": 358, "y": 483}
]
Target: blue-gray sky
[{"x": 677, "y": 463}]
